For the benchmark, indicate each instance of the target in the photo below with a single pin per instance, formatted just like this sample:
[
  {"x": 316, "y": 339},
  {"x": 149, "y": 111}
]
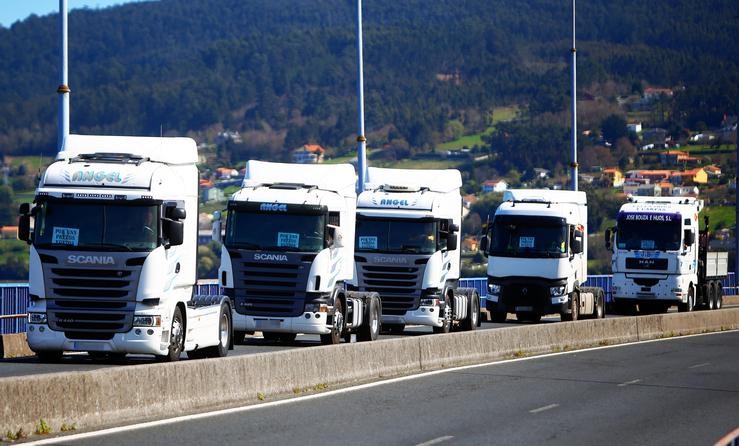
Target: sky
[{"x": 14, "y": 10}]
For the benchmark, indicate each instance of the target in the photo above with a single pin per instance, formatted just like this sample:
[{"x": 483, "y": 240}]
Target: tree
[
  {"x": 613, "y": 128},
  {"x": 7, "y": 206}
]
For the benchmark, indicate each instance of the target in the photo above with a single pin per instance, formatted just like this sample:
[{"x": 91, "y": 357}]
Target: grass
[
  {"x": 34, "y": 163},
  {"x": 500, "y": 114},
  {"x": 721, "y": 217},
  {"x": 419, "y": 164},
  {"x": 700, "y": 148}
]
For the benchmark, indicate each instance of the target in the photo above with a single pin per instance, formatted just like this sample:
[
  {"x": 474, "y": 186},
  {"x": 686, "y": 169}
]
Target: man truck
[
  {"x": 537, "y": 257},
  {"x": 407, "y": 249},
  {"x": 113, "y": 233},
  {"x": 659, "y": 262},
  {"x": 288, "y": 254}
]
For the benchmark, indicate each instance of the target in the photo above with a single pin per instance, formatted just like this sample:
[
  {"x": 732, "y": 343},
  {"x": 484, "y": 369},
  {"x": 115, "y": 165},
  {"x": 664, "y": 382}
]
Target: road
[{"x": 675, "y": 391}]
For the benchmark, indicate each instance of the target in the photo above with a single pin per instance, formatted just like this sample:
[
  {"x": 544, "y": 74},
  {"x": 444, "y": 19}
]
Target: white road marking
[
  {"x": 628, "y": 383},
  {"x": 435, "y": 441},
  {"x": 216, "y": 413},
  {"x": 699, "y": 365},
  {"x": 542, "y": 409}
]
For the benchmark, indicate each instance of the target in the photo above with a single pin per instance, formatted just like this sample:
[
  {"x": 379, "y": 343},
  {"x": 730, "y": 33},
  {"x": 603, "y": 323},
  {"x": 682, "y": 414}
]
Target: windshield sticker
[
  {"x": 526, "y": 242},
  {"x": 65, "y": 236},
  {"x": 288, "y": 239},
  {"x": 367, "y": 242},
  {"x": 647, "y": 244}
]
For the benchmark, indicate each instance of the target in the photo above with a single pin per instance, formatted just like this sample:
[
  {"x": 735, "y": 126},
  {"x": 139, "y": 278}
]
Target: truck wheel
[
  {"x": 575, "y": 305},
  {"x": 690, "y": 304},
  {"x": 473, "y": 315},
  {"x": 49, "y": 356},
  {"x": 338, "y": 327},
  {"x": 719, "y": 296},
  {"x": 498, "y": 316},
  {"x": 600, "y": 305},
  {"x": 224, "y": 334},
  {"x": 370, "y": 330},
  {"x": 446, "y": 327},
  {"x": 176, "y": 338},
  {"x": 706, "y": 298},
  {"x": 710, "y": 299}
]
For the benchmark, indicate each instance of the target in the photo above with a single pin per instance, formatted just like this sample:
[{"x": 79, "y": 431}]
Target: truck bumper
[
  {"x": 667, "y": 290},
  {"x": 494, "y": 304},
  {"x": 424, "y": 315},
  {"x": 140, "y": 340},
  {"x": 308, "y": 323}
]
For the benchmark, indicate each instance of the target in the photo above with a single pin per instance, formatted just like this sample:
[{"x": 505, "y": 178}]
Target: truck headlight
[
  {"x": 37, "y": 318},
  {"x": 147, "y": 321},
  {"x": 430, "y": 302},
  {"x": 493, "y": 288},
  {"x": 559, "y": 290},
  {"x": 315, "y": 308}
]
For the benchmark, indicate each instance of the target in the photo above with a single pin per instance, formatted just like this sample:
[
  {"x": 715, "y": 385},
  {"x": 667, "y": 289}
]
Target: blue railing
[{"x": 14, "y": 296}]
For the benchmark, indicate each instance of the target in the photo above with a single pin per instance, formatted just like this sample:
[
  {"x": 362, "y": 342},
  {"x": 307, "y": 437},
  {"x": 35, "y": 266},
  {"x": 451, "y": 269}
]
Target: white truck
[
  {"x": 537, "y": 257},
  {"x": 658, "y": 261},
  {"x": 288, "y": 254},
  {"x": 113, "y": 233},
  {"x": 407, "y": 249}
]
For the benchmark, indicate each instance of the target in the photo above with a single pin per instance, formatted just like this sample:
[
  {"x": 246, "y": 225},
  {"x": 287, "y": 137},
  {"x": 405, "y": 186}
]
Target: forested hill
[{"x": 286, "y": 68}]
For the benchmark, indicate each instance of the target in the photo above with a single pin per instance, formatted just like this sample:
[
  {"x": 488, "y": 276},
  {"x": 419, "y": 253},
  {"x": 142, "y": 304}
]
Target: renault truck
[
  {"x": 407, "y": 249},
  {"x": 113, "y": 235},
  {"x": 661, "y": 257},
  {"x": 287, "y": 257},
  {"x": 537, "y": 257}
]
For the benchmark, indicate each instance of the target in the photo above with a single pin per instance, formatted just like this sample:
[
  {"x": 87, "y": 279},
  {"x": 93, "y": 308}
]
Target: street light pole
[
  {"x": 63, "y": 88},
  {"x": 573, "y": 164},
  {"x": 361, "y": 139}
]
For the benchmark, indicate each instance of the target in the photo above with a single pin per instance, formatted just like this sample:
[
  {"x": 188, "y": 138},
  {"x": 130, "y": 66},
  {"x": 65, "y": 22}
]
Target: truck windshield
[
  {"x": 272, "y": 231},
  {"x": 96, "y": 226},
  {"x": 396, "y": 236},
  {"x": 528, "y": 236},
  {"x": 648, "y": 231}
]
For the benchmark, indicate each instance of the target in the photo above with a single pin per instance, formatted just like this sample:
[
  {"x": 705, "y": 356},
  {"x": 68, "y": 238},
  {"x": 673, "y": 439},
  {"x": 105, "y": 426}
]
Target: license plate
[
  {"x": 267, "y": 323},
  {"x": 92, "y": 346},
  {"x": 524, "y": 308}
]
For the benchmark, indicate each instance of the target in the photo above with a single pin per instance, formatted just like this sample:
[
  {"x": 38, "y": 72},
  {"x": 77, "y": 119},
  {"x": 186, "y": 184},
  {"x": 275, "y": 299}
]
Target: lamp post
[
  {"x": 63, "y": 89},
  {"x": 573, "y": 164},
  {"x": 361, "y": 139}
]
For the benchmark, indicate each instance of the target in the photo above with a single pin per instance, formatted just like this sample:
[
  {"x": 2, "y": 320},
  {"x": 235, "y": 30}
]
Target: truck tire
[
  {"x": 498, "y": 316},
  {"x": 473, "y": 315},
  {"x": 706, "y": 298},
  {"x": 600, "y": 305},
  {"x": 624, "y": 308},
  {"x": 49, "y": 356},
  {"x": 370, "y": 330},
  {"x": 710, "y": 298},
  {"x": 719, "y": 296},
  {"x": 575, "y": 306},
  {"x": 225, "y": 329},
  {"x": 176, "y": 337},
  {"x": 690, "y": 304},
  {"x": 446, "y": 327},
  {"x": 337, "y": 330}
]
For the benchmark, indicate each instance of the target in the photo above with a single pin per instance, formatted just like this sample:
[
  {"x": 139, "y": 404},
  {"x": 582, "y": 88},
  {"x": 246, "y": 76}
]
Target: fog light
[
  {"x": 137, "y": 331},
  {"x": 493, "y": 288},
  {"x": 41, "y": 328},
  {"x": 150, "y": 332}
]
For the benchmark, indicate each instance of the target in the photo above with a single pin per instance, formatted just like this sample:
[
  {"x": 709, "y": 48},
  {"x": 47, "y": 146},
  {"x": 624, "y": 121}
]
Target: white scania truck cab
[
  {"x": 288, "y": 254},
  {"x": 537, "y": 257},
  {"x": 407, "y": 249},
  {"x": 113, "y": 233},
  {"x": 658, "y": 261}
]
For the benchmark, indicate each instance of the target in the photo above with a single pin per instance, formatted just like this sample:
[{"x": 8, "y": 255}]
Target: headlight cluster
[
  {"x": 315, "y": 308},
  {"x": 37, "y": 318},
  {"x": 147, "y": 321},
  {"x": 558, "y": 290},
  {"x": 493, "y": 288},
  {"x": 430, "y": 302}
]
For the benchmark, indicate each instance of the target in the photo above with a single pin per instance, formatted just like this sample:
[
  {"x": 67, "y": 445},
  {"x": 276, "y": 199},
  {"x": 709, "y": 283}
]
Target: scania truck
[
  {"x": 537, "y": 257},
  {"x": 407, "y": 249},
  {"x": 659, "y": 262},
  {"x": 113, "y": 233},
  {"x": 288, "y": 254}
]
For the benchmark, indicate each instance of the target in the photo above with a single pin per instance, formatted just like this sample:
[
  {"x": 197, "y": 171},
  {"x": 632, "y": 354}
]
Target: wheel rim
[
  {"x": 224, "y": 330},
  {"x": 176, "y": 337},
  {"x": 475, "y": 311},
  {"x": 719, "y": 300},
  {"x": 375, "y": 324}
]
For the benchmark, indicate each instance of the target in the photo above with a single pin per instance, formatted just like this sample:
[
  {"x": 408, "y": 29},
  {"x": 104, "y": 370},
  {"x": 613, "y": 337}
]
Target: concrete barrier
[
  {"x": 14, "y": 346},
  {"x": 119, "y": 395}
]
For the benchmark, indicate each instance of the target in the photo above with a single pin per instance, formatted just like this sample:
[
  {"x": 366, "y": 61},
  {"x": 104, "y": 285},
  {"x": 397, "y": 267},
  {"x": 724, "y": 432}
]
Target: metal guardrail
[{"x": 14, "y": 296}]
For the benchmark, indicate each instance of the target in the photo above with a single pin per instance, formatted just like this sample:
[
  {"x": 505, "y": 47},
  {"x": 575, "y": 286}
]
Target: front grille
[
  {"x": 270, "y": 289},
  {"x": 525, "y": 295},
  {"x": 91, "y": 301},
  {"x": 651, "y": 264},
  {"x": 399, "y": 287}
]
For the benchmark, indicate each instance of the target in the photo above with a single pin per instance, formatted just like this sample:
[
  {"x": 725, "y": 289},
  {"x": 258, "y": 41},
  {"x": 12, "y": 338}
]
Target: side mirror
[
  {"x": 173, "y": 231},
  {"x": 217, "y": 224},
  {"x": 484, "y": 242},
  {"x": 451, "y": 242},
  {"x": 689, "y": 237},
  {"x": 577, "y": 242},
  {"x": 608, "y": 239},
  {"x": 175, "y": 213},
  {"x": 336, "y": 236},
  {"x": 453, "y": 227},
  {"x": 24, "y": 222}
]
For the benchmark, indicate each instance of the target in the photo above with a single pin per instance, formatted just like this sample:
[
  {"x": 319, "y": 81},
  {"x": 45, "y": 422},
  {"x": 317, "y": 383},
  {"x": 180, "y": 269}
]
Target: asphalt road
[{"x": 680, "y": 391}]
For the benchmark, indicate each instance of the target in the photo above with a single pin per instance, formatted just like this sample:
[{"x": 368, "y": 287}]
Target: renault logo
[{"x": 525, "y": 291}]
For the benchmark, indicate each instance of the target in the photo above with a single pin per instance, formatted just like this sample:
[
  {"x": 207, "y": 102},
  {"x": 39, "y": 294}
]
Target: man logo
[{"x": 273, "y": 207}]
